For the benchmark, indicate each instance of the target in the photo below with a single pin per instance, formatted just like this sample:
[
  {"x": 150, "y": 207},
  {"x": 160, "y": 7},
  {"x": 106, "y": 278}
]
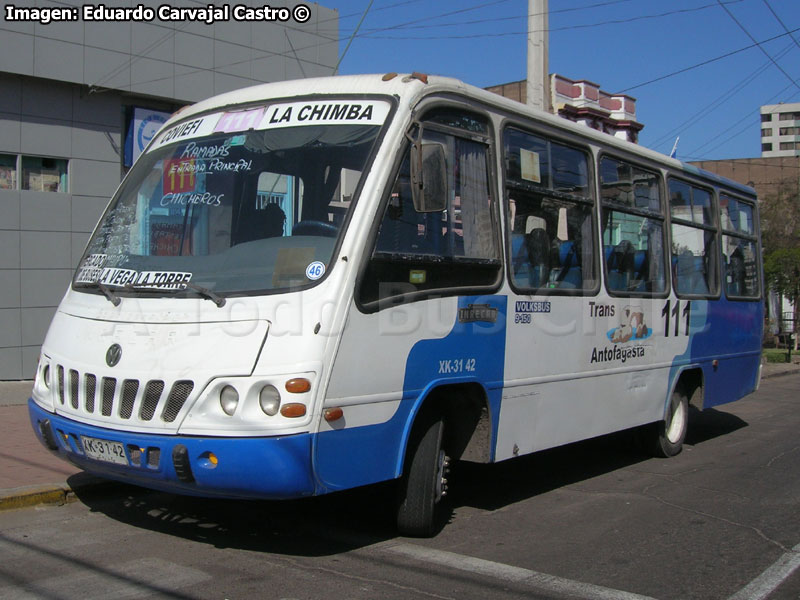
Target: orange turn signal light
[
  {"x": 293, "y": 410},
  {"x": 298, "y": 385},
  {"x": 333, "y": 414}
]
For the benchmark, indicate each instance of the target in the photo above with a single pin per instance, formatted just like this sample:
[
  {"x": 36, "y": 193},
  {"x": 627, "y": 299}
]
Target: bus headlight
[
  {"x": 229, "y": 399},
  {"x": 46, "y": 375},
  {"x": 270, "y": 400}
]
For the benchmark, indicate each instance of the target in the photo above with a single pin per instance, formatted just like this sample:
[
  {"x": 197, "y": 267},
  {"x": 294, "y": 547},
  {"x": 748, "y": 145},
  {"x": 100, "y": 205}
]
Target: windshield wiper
[
  {"x": 204, "y": 292},
  {"x": 111, "y": 296}
]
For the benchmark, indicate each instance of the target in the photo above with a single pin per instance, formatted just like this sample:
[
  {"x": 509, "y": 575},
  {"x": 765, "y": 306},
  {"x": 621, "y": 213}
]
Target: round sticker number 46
[{"x": 315, "y": 270}]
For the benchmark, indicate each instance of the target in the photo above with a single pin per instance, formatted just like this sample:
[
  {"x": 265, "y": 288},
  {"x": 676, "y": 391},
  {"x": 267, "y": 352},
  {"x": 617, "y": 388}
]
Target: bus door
[{"x": 424, "y": 314}]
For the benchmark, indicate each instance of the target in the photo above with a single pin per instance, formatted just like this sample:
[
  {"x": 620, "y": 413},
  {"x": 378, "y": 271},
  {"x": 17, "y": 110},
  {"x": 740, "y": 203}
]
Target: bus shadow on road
[
  {"x": 491, "y": 487},
  {"x": 709, "y": 424},
  {"x": 320, "y": 526},
  {"x": 344, "y": 521}
]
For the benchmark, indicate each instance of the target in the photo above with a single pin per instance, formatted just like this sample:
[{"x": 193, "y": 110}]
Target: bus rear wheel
[
  {"x": 424, "y": 482},
  {"x": 666, "y": 437}
]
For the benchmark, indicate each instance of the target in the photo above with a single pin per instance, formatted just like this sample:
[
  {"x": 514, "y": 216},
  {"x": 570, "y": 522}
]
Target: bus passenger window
[
  {"x": 692, "y": 260},
  {"x": 453, "y": 249},
  {"x": 694, "y": 240},
  {"x": 550, "y": 214},
  {"x": 633, "y": 229},
  {"x": 549, "y": 242},
  {"x": 740, "y": 272}
]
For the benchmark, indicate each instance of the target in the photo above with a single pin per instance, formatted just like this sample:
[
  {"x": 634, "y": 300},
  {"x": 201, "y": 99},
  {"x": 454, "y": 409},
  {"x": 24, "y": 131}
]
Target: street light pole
[{"x": 538, "y": 81}]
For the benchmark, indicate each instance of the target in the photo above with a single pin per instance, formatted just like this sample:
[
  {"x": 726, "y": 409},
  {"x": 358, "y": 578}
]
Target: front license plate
[{"x": 104, "y": 450}]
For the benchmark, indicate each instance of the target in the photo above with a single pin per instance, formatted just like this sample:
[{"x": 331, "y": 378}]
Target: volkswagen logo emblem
[{"x": 113, "y": 354}]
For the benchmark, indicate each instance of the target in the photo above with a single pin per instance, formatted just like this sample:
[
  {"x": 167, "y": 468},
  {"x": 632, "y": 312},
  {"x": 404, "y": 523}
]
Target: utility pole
[{"x": 538, "y": 82}]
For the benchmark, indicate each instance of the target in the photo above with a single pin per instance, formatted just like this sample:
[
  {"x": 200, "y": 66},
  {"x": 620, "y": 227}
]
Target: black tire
[
  {"x": 423, "y": 484},
  {"x": 665, "y": 438}
]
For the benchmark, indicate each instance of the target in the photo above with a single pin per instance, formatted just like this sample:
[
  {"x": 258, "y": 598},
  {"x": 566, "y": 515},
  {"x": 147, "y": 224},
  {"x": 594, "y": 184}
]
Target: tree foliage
[
  {"x": 782, "y": 271},
  {"x": 780, "y": 220},
  {"x": 780, "y": 237}
]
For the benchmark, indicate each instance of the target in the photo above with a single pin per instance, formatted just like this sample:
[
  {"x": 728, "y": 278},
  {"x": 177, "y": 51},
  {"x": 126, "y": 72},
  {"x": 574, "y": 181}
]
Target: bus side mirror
[{"x": 428, "y": 177}]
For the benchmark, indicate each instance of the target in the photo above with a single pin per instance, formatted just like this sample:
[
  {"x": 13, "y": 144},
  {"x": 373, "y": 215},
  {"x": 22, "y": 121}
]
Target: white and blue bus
[{"x": 309, "y": 286}]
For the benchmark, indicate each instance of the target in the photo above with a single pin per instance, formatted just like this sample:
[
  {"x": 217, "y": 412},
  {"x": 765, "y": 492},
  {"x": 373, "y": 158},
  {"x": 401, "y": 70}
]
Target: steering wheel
[{"x": 319, "y": 228}]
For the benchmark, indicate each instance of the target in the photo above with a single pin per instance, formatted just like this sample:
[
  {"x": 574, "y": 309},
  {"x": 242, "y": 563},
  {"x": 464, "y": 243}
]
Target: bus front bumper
[{"x": 255, "y": 467}]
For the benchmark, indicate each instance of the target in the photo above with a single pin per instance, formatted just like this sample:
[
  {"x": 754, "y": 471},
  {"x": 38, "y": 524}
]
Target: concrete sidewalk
[{"x": 30, "y": 474}]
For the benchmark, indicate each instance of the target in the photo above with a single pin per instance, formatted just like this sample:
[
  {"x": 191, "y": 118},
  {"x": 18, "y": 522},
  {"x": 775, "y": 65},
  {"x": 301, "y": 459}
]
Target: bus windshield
[{"x": 229, "y": 209}]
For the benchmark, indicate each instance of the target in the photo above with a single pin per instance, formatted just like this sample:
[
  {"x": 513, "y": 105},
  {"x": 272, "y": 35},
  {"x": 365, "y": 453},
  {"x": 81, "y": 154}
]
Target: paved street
[{"x": 591, "y": 520}]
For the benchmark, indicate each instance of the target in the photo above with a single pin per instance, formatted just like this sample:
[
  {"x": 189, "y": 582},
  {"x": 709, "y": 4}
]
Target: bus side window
[
  {"x": 739, "y": 248},
  {"x": 548, "y": 243},
  {"x": 694, "y": 240},
  {"x": 452, "y": 250},
  {"x": 550, "y": 214},
  {"x": 633, "y": 229}
]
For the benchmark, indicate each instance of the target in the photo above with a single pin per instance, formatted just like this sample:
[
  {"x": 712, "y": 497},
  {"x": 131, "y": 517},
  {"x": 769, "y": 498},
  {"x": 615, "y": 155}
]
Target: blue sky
[{"x": 620, "y": 44}]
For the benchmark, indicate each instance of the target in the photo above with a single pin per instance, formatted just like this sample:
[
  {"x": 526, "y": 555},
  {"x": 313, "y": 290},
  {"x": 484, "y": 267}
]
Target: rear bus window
[{"x": 740, "y": 272}]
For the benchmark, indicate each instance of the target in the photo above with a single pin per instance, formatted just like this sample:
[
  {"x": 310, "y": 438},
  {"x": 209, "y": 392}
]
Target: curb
[
  {"x": 55, "y": 494},
  {"x": 780, "y": 373},
  {"x": 23, "y": 497}
]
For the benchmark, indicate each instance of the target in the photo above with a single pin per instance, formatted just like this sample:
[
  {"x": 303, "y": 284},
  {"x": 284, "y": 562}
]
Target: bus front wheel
[
  {"x": 424, "y": 482},
  {"x": 666, "y": 437}
]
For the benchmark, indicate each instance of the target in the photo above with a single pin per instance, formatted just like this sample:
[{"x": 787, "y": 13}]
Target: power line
[
  {"x": 173, "y": 30},
  {"x": 426, "y": 19},
  {"x": 266, "y": 54},
  {"x": 707, "y": 62},
  {"x": 370, "y": 34},
  {"x": 717, "y": 102},
  {"x": 350, "y": 41},
  {"x": 760, "y": 47},
  {"x": 297, "y": 58},
  {"x": 270, "y": 54},
  {"x": 515, "y": 17},
  {"x": 786, "y": 29},
  {"x": 736, "y": 124}
]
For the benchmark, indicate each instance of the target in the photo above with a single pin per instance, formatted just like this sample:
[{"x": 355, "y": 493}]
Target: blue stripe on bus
[
  {"x": 473, "y": 351},
  {"x": 256, "y": 467},
  {"x": 475, "y": 337},
  {"x": 719, "y": 328}
]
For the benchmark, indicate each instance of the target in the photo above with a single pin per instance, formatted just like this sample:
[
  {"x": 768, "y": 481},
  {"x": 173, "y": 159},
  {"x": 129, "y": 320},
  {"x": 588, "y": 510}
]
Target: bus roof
[{"x": 410, "y": 88}]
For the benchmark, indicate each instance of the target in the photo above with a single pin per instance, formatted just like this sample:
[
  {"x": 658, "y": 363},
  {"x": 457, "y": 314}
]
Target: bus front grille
[
  {"x": 152, "y": 394},
  {"x": 91, "y": 384},
  {"x": 177, "y": 398},
  {"x": 127, "y": 400}
]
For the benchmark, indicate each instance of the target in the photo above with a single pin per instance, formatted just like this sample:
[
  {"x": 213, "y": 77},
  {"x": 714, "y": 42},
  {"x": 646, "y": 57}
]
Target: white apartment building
[{"x": 780, "y": 130}]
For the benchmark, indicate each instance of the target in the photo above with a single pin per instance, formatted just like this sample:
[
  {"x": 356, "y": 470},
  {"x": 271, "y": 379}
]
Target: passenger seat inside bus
[
  {"x": 620, "y": 266},
  {"x": 640, "y": 271},
  {"x": 689, "y": 271},
  {"x": 567, "y": 273},
  {"x": 537, "y": 246},
  {"x": 735, "y": 274}
]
